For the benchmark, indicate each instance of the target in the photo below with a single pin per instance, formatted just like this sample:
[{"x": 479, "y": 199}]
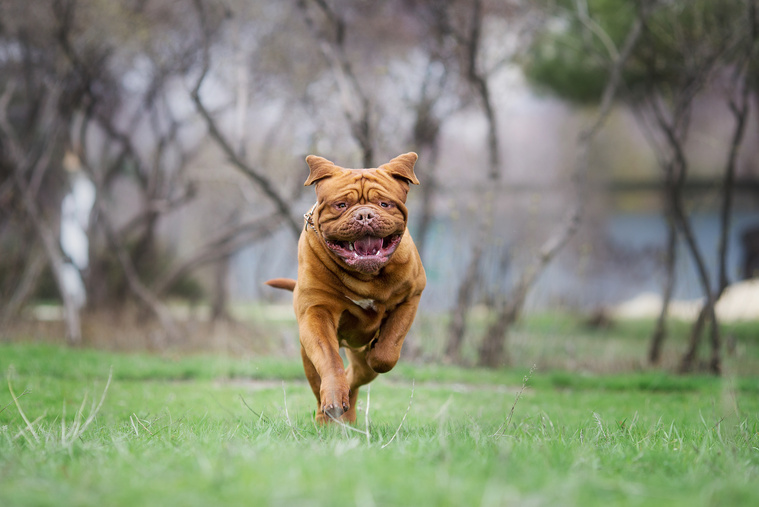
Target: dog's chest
[
  {"x": 366, "y": 304},
  {"x": 360, "y": 323}
]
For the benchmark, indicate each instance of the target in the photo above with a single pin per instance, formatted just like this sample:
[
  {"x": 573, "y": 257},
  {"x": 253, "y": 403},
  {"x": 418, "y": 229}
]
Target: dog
[{"x": 359, "y": 282}]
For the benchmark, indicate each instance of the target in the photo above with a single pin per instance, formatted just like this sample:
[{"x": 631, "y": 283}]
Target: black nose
[{"x": 363, "y": 216}]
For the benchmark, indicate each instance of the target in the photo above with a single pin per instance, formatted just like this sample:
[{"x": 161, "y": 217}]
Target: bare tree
[
  {"x": 428, "y": 121},
  {"x": 331, "y": 39},
  {"x": 684, "y": 49},
  {"x": 34, "y": 90},
  {"x": 668, "y": 102},
  {"x": 738, "y": 104},
  {"x": 659, "y": 333},
  {"x": 35, "y": 159},
  {"x": 470, "y": 42},
  {"x": 493, "y": 345},
  {"x": 256, "y": 176}
]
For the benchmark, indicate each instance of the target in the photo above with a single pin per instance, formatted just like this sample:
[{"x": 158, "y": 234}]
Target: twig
[
  {"x": 26, "y": 391},
  {"x": 134, "y": 426},
  {"x": 348, "y": 426},
  {"x": 593, "y": 26},
  {"x": 287, "y": 414},
  {"x": 141, "y": 424},
  {"x": 20, "y": 411},
  {"x": 22, "y": 432},
  {"x": 600, "y": 425},
  {"x": 410, "y": 401},
  {"x": 260, "y": 416},
  {"x": 506, "y": 424},
  {"x": 78, "y": 429},
  {"x": 366, "y": 415}
]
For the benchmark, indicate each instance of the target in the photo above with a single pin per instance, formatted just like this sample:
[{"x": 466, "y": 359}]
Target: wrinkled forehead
[{"x": 361, "y": 184}]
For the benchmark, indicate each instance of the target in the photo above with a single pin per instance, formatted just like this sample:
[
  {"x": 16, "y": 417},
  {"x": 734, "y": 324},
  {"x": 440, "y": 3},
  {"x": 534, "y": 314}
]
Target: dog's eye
[
  {"x": 340, "y": 205},
  {"x": 385, "y": 204}
]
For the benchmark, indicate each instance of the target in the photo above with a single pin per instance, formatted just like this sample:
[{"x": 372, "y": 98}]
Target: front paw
[{"x": 335, "y": 400}]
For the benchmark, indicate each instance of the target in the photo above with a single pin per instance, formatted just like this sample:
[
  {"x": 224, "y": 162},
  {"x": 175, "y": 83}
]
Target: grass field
[{"x": 209, "y": 430}]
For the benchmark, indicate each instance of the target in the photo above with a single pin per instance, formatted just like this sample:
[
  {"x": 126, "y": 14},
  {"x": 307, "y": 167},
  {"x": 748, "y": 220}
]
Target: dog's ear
[
  {"x": 402, "y": 167},
  {"x": 320, "y": 168}
]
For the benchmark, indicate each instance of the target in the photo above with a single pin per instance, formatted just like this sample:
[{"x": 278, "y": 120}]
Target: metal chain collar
[{"x": 309, "y": 217}]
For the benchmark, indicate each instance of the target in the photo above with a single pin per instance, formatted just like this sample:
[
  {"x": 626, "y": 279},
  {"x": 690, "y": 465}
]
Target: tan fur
[{"x": 366, "y": 310}]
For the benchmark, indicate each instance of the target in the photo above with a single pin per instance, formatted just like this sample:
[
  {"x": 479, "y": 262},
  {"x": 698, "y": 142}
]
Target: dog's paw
[
  {"x": 335, "y": 402},
  {"x": 333, "y": 412}
]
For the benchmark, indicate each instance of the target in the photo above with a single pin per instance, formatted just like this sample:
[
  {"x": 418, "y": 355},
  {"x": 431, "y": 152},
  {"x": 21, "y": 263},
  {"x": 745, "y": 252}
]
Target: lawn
[{"x": 210, "y": 430}]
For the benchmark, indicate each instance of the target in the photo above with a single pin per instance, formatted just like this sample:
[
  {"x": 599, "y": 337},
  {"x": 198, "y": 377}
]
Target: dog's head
[{"x": 361, "y": 214}]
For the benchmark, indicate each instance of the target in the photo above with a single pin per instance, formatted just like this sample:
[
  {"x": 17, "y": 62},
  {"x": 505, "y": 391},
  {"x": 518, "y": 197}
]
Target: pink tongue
[{"x": 368, "y": 245}]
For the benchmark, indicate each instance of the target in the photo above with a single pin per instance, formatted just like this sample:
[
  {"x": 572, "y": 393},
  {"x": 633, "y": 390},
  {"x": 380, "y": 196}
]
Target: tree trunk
[
  {"x": 55, "y": 261},
  {"x": 32, "y": 270},
  {"x": 688, "y": 361},
  {"x": 492, "y": 353},
  {"x": 740, "y": 112},
  {"x": 707, "y": 312},
  {"x": 466, "y": 291},
  {"x": 464, "y": 300},
  {"x": 493, "y": 344},
  {"x": 426, "y": 211},
  {"x": 426, "y": 134},
  {"x": 660, "y": 331},
  {"x": 220, "y": 303}
]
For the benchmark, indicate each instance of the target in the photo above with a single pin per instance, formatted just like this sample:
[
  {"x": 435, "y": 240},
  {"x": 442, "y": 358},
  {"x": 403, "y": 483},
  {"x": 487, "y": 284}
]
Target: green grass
[{"x": 208, "y": 430}]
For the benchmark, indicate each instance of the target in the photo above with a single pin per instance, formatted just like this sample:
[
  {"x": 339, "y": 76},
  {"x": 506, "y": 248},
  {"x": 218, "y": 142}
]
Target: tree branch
[{"x": 280, "y": 203}]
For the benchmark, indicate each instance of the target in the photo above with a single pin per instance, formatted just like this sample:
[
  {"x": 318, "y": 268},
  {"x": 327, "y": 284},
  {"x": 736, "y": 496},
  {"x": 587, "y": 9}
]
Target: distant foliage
[{"x": 572, "y": 55}]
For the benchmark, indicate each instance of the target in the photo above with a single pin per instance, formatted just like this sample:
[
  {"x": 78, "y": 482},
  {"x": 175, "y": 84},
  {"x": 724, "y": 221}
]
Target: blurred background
[{"x": 589, "y": 170}]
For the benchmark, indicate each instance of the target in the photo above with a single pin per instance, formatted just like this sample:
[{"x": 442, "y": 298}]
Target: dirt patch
[{"x": 740, "y": 302}]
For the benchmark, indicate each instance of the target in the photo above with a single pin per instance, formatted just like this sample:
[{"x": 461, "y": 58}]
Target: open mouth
[{"x": 367, "y": 254}]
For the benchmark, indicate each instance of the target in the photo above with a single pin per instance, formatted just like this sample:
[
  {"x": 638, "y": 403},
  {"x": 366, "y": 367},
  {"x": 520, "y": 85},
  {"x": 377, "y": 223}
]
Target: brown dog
[{"x": 359, "y": 279}]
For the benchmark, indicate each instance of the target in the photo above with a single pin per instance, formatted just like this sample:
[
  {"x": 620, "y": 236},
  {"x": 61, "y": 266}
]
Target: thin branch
[
  {"x": 135, "y": 284},
  {"x": 740, "y": 111},
  {"x": 29, "y": 425},
  {"x": 596, "y": 29},
  {"x": 281, "y": 204},
  {"x": 287, "y": 414},
  {"x": 348, "y": 427},
  {"x": 356, "y": 102},
  {"x": 506, "y": 424},
  {"x": 78, "y": 430},
  {"x": 366, "y": 415},
  {"x": 26, "y": 391},
  {"x": 410, "y": 401},
  {"x": 141, "y": 424},
  {"x": 224, "y": 244},
  {"x": 260, "y": 416}
]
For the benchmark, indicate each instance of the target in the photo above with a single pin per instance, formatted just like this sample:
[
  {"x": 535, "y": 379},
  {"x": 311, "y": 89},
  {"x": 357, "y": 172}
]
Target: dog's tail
[{"x": 282, "y": 283}]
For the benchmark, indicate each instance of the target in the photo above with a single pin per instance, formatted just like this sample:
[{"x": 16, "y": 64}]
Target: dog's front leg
[
  {"x": 318, "y": 337},
  {"x": 386, "y": 349}
]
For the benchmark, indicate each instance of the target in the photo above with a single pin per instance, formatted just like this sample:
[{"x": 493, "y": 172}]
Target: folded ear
[
  {"x": 402, "y": 167},
  {"x": 320, "y": 168}
]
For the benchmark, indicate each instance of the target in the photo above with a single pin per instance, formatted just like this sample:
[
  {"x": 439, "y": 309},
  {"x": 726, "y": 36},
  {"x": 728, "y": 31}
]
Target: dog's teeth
[{"x": 350, "y": 246}]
